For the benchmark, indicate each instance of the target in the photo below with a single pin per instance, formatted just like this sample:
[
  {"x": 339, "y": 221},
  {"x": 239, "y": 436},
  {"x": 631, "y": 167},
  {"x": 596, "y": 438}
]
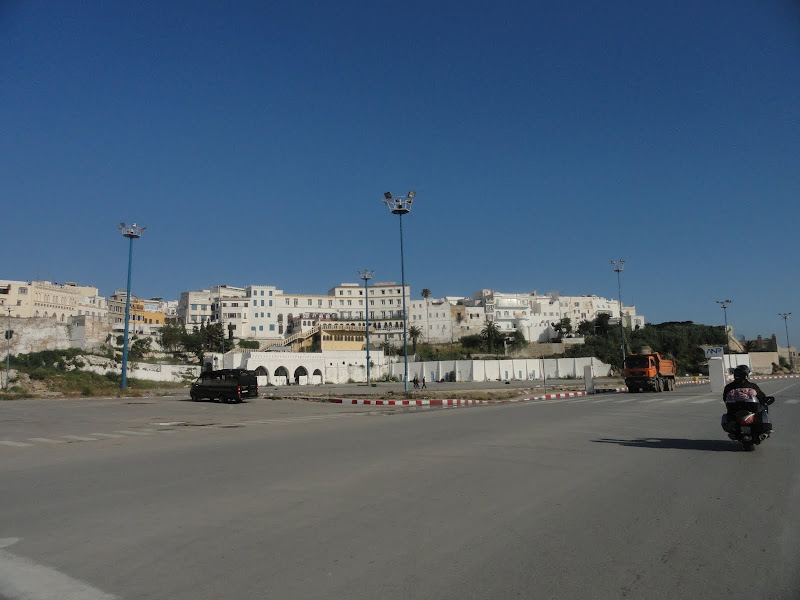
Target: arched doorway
[
  {"x": 316, "y": 378},
  {"x": 301, "y": 376},
  {"x": 262, "y": 376},
  {"x": 281, "y": 376}
]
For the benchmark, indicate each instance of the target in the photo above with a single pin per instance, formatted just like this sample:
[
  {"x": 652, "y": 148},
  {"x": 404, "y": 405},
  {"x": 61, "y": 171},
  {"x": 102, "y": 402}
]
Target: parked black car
[{"x": 225, "y": 385}]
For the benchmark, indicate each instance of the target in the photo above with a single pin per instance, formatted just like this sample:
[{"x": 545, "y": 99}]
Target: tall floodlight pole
[
  {"x": 366, "y": 276},
  {"x": 401, "y": 205},
  {"x": 133, "y": 232},
  {"x": 725, "y": 304},
  {"x": 784, "y": 316},
  {"x": 618, "y": 267},
  {"x": 8, "y": 347}
]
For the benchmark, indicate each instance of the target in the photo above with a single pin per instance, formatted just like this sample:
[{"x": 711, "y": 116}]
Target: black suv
[{"x": 225, "y": 385}]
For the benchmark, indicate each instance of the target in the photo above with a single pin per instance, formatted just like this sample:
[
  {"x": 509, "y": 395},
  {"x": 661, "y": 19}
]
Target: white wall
[{"x": 524, "y": 369}]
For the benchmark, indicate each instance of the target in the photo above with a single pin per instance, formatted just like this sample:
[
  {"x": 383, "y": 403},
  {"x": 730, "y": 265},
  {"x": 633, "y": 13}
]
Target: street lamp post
[
  {"x": 785, "y": 317},
  {"x": 366, "y": 276},
  {"x": 725, "y": 304},
  {"x": 8, "y": 347},
  {"x": 618, "y": 267},
  {"x": 133, "y": 232},
  {"x": 401, "y": 205}
]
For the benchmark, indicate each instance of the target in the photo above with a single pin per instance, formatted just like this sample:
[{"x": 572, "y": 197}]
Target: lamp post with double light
[
  {"x": 131, "y": 232},
  {"x": 785, "y": 317},
  {"x": 9, "y": 333},
  {"x": 366, "y": 276},
  {"x": 725, "y": 304},
  {"x": 618, "y": 267},
  {"x": 401, "y": 205}
]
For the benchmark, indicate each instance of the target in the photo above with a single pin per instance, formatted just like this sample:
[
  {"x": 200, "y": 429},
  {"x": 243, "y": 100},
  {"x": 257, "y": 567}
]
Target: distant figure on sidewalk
[
  {"x": 416, "y": 382},
  {"x": 423, "y": 383}
]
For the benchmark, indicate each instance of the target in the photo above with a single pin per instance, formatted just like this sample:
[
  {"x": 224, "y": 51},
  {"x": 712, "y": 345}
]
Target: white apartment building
[
  {"x": 194, "y": 308},
  {"x": 385, "y": 308},
  {"x": 437, "y": 318},
  {"x": 265, "y": 313}
]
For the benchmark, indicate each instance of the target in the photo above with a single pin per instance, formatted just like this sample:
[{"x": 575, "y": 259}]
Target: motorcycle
[{"x": 750, "y": 427}]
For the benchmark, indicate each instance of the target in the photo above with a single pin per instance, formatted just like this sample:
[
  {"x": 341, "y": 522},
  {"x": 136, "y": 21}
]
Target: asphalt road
[{"x": 613, "y": 496}]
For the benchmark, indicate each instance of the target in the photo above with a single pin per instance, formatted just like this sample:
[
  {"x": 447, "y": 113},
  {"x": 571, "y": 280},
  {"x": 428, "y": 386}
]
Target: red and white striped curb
[
  {"x": 464, "y": 401},
  {"x": 775, "y": 377},
  {"x": 698, "y": 382}
]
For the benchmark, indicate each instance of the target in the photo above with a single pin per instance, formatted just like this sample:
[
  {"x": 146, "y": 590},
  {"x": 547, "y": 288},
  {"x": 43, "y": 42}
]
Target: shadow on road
[{"x": 676, "y": 444}]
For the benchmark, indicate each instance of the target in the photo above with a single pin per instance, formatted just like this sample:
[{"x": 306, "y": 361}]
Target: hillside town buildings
[{"x": 270, "y": 316}]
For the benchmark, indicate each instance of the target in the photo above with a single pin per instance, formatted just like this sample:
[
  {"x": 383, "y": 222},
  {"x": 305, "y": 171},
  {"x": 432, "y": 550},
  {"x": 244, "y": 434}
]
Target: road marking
[
  {"x": 674, "y": 400},
  {"x": 23, "y": 579},
  {"x": 47, "y": 440},
  {"x": 108, "y": 435},
  {"x": 626, "y": 400},
  {"x": 15, "y": 444},
  {"x": 79, "y": 438},
  {"x": 127, "y": 432},
  {"x": 652, "y": 400},
  {"x": 704, "y": 400},
  {"x": 792, "y": 401}
]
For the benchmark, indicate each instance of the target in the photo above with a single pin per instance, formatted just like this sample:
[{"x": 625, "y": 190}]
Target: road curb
[{"x": 466, "y": 401}]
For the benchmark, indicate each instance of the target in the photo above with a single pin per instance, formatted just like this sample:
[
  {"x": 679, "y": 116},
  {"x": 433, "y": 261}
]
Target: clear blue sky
[{"x": 543, "y": 139}]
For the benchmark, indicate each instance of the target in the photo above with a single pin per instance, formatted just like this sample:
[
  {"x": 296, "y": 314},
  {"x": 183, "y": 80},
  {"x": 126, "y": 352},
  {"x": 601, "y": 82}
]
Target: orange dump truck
[{"x": 649, "y": 371}]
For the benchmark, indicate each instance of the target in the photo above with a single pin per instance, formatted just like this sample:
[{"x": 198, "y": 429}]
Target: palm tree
[
  {"x": 491, "y": 333},
  {"x": 414, "y": 332},
  {"x": 426, "y": 293}
]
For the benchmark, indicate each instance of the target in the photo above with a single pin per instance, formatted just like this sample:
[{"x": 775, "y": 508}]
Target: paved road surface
[{"x": 619, "y": 496}]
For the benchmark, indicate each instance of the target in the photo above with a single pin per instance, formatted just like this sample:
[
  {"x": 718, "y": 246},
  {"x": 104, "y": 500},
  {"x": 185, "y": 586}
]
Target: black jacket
[{"x": 733, "y": 385}]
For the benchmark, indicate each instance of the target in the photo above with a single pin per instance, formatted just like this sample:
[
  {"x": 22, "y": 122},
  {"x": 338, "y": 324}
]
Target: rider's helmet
[{"x": 741, "y": 372}]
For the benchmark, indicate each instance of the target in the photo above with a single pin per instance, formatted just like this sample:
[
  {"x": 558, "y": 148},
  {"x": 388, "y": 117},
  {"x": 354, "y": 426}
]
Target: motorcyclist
[{"x": 742, "y": 394}]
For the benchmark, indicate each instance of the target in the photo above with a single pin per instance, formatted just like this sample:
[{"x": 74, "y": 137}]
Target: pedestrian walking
[{"x": 423, "y": 383}]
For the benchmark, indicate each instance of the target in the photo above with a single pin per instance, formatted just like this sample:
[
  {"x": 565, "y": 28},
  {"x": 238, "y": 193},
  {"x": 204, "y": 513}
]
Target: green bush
[
  {"x": 38, "y": 374},
  {"x": 47, "y": 359},
  {"x": 86, "y": 391}
]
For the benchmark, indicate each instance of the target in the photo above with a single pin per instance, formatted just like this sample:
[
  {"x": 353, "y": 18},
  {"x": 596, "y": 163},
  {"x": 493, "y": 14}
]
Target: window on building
[
  {"x": 252, "y": 329},
  {"x": 260, "y": 328},
  {"x": 272, "y": 327},
  {"x": 194, "y": 306},
  {"x": 22, "y": 290}
]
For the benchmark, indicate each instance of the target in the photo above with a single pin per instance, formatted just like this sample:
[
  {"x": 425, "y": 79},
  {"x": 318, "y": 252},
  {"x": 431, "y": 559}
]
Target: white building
[
  {"x": 445, "y": 320},
  {"x": 194, "y": 308},
  {"x": 535, "y": 315}
]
